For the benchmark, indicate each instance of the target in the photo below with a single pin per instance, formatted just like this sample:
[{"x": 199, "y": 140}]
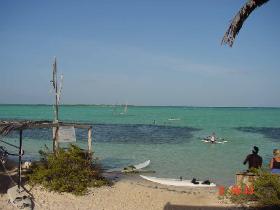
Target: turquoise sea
[{"x": 169, "y": 136}]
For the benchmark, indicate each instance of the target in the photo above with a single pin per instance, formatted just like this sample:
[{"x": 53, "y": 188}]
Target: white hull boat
[{"x": 177, "y": 182}]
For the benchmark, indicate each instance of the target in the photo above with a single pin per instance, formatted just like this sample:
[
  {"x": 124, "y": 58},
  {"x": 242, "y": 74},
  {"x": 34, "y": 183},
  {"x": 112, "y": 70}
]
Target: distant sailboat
[
  {"x": 124, "y": 110},
  {"x": 116, "y": 109}
]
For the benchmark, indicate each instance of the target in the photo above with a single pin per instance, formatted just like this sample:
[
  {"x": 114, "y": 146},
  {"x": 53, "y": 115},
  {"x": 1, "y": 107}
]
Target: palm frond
[{"x": 239, "y": 20}]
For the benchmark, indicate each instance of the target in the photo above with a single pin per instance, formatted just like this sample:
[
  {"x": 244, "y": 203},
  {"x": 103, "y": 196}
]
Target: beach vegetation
[
  {"x": 71, "y": 170},
  {"x": 267, "y": 189},
  {"x": 264, "y": 192}
]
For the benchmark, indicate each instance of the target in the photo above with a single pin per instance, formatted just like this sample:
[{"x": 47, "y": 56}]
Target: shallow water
[{"x": 169, "y": 136}]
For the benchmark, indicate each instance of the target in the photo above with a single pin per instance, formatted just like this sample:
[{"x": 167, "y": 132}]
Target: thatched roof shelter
[{"x": 7, "y": 127}]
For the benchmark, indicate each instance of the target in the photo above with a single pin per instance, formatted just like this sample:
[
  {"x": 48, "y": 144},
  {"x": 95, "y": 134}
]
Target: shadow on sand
[
  {"x": 170, "y": 206},
  {"x": 9, "y": 179}
]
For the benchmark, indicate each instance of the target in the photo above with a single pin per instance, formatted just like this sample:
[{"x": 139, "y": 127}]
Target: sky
[{"x": 148, "y": 52}]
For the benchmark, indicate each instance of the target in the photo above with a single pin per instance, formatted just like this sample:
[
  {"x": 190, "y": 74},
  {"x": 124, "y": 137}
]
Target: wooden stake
[
  {"x": 89, "y": 140},
  {"x": 20, "y": 153},
  {"x": 55, "y": 142}
]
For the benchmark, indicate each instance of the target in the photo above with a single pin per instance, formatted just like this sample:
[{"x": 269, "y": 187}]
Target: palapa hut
[{"x": 7, "y": 127}]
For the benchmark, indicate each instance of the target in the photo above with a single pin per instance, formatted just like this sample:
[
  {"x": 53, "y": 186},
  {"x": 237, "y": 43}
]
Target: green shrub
[
  {"x": 267, "y": 189},
  {"x": 265, "y": 193},
  {"x": 69, "y": 170}
]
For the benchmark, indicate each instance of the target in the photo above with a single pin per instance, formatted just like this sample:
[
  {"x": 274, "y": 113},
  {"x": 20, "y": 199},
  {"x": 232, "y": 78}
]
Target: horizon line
[{"x": 189, "y": 106}]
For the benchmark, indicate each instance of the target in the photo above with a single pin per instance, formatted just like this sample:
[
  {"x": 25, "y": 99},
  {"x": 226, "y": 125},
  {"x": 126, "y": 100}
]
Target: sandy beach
[
  {"x": 139, "y": 105},
  {"x": 127, "y": 192}
]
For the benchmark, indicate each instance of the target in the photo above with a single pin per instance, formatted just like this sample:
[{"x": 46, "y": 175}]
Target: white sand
[
  {"x": 124, "y": 194},
  {"x": 130, "y": 192}
]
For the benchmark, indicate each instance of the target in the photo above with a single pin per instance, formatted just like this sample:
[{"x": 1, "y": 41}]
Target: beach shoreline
[{"x": 129, "y": 191}]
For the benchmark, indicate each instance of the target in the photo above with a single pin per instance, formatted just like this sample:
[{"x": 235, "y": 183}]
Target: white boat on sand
[{"x": 179, "y": 182}]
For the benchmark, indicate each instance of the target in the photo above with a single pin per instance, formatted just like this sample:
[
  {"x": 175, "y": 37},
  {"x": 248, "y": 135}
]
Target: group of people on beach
[{"x": 255, "y": 161}]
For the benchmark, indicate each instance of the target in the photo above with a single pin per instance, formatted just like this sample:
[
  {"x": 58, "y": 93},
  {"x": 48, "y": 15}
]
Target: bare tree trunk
[{"x": 239, "y": 19}]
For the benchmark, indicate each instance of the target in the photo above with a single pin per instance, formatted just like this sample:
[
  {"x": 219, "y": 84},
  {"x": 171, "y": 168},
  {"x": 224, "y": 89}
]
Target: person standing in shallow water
[
  {"x": 254, "y": 160},
  {"x": 275, "y": 162}
]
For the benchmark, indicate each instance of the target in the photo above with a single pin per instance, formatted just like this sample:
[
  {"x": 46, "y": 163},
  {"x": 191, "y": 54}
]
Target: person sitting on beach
[
  {"x": 254, "y": 160},
  {"x": 275, "y": 162}
]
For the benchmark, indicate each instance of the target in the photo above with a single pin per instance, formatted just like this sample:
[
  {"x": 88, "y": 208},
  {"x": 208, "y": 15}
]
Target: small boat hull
[
  {"x": 215, "y": 142},
  {"x": 177, "y": 182}
]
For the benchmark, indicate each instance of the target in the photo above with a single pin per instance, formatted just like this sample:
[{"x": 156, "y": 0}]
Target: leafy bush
[
  {"x": 69, "y": 170},
  {"x": 265, "y": 191}
]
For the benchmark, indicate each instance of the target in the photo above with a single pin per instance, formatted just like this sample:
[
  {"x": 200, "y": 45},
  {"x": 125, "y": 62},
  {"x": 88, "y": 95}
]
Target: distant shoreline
[{"x": 133, "y": 105}]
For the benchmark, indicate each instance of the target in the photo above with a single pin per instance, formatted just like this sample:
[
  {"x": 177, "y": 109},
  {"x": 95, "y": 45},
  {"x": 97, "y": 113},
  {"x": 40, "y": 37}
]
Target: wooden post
[
  {"x": 55, "y": 142},
  {"x": 53, "y": 138},
  {"x": 55, "y": 86},
  {"x": 89, "y": 140},
  {"x": 55, "y": 89},
  {"x": 20, "y": 153}
]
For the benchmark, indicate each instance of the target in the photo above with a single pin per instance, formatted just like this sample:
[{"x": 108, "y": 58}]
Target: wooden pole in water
[
  {"x": 20, "y": 153},
  {"x": 89, "y": 140}
]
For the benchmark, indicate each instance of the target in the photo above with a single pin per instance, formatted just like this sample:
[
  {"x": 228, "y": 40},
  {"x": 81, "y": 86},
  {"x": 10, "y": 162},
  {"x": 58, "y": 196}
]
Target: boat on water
[
  {"x": 174, "y": 119},
  {"x": 124, "y": 110},
  {"x": 116, "y": 110},
  {"x": 213, "y": 142},
  {"x": 213, "y": 139},
  {"x": 179, "y": 182}
]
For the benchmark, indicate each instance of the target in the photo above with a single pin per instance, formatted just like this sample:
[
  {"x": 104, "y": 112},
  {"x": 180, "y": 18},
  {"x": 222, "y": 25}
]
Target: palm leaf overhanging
[{"x": 239, "y": 19}]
